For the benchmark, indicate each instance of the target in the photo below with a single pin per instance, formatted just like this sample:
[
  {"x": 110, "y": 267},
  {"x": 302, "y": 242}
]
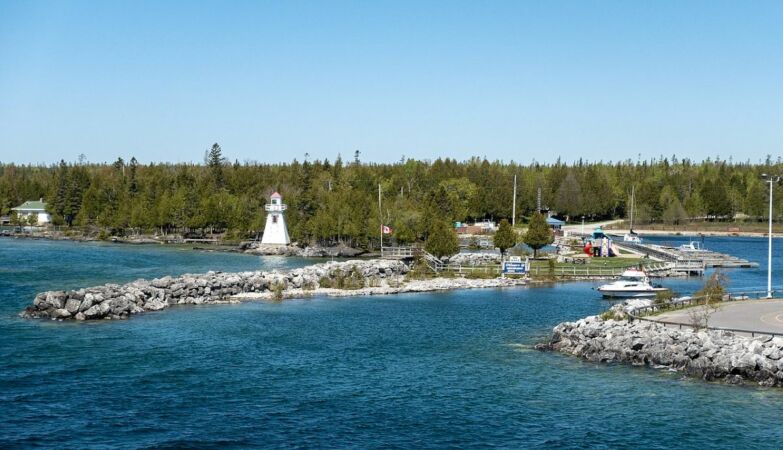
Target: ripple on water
[{"x": 416, "y": 370}]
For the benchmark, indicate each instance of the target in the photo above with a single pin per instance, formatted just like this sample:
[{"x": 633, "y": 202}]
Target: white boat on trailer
[{"x": 633, "y": 283}]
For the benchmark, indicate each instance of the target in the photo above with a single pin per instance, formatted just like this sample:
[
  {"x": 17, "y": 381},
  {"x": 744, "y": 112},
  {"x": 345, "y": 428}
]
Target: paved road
[
  {"x": 590, "y": 226},
  {"x": 756, "y": 315}
]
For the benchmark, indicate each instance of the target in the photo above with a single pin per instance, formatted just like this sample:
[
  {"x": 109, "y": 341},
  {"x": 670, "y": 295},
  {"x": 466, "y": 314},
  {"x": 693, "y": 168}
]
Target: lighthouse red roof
[{"x": 276, "y": 195}]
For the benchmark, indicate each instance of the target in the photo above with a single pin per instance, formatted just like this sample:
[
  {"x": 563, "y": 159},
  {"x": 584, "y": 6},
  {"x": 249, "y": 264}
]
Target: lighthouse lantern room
[{"x": 275, "y": 231}]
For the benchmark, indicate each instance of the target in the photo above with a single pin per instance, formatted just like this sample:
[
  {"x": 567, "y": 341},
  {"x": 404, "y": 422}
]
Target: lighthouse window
[
  {"x": 274, "y": 201},
  {"x": 274, "y": 219}
]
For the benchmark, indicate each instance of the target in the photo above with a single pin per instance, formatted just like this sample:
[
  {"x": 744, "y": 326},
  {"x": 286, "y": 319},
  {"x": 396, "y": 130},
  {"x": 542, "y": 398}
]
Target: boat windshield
[{"x": 635, "y": 278}]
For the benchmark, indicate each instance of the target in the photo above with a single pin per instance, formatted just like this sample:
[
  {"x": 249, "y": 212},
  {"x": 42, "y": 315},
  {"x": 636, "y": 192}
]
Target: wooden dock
[{"x": 692, "y": 262}]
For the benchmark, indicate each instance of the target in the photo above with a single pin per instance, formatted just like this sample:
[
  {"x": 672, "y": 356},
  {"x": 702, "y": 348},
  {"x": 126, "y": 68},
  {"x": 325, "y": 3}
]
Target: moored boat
[{"x": 633, "y": 283}]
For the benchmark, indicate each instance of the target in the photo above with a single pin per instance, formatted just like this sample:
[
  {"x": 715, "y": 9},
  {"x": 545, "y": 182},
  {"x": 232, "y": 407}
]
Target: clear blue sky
[{"x": 270, "y": 81}]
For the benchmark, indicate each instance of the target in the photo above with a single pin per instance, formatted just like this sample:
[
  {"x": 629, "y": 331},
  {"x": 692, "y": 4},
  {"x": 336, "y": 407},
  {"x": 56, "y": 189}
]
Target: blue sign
[{"x": 514, "y": 267}]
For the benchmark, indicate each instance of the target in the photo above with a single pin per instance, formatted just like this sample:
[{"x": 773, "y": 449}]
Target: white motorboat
[
  {"x": 692, "y": 246},
  {"x": 633, "y": 283},
  {"x": 632, "y": 237}
]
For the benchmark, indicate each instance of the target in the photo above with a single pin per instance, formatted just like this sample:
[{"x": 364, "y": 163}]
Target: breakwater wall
[
  {"x": 710, "y": 355},
  {"x": 118, "y": 301}
]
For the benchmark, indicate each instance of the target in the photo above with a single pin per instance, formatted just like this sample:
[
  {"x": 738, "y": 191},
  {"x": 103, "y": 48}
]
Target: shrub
[
  {"x": 355, "y": 279},
  {"x": 714, "y": 288},
  {"x": 611, "y": 314},
  {"x": 709, "y": 298},
  {"x": 663, "y": 297},
  {"x": 277, "y": 291}
]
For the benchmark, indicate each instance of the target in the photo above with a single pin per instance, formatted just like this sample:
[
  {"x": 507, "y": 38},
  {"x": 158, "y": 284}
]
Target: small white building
[
  {"x": 486, "y": 226},
  {"x": 33, "y": 208},
  {"x": 275, "y": 231}
]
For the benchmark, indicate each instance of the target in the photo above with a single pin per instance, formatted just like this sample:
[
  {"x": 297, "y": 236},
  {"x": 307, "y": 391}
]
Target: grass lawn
[{"x": 609, "y": 263}]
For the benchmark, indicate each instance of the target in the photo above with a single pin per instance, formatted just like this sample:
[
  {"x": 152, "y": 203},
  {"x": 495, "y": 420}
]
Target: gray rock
[
  {"x": 119, "y": 301},
  {"x": 56, "y": 299},
  {"x": 706, "y": 354},
  {"x": 94, "y": 312},
  {"x": 72, "y": 305},
  {"x": 60, "y": 314}
]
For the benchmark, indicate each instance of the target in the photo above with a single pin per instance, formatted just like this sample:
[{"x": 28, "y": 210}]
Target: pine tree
[
  {"x": 62, "y": 189},
  {"x": 133, "y": 185},
  {"x": 215, "y": 163},
  {"x": 505, "y": 237},
  {"x": 442, "y": 240},
  {"x": 538, "y": 234}
]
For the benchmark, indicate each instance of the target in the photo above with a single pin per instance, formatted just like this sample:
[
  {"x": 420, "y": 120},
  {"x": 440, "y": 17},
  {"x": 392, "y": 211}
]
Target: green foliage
[
  {"x": 611, "y": 314},
  {"x": 709, "y": 300},
  {"x": 351, "y": 280},
  {"x": 538, "y": 233},
  {"x": 663, "y": 297},
  {"x": 480, "y": 275},
  {"x": 330, "y": 203},
  {"x": 277, "y": 290},
  {"x": 505, "y": 237},
  {"x": 420, "y": 271},
  {"x": 550, "y": 266},
  {"x": 215, "y": 162},
  {"x": 442, "y": 240},
  {"x": 714, "y": 288}
]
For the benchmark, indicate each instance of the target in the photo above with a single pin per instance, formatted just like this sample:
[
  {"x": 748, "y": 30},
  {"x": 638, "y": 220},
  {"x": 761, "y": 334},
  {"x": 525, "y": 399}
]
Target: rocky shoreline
[
  {"x": 707, "y": 354},
  {"x": 249, "y": 247},
  {"x": 429, "y": 285},
  {"x": 349, "y": 278},
  {"x": 337, "y": 251}
]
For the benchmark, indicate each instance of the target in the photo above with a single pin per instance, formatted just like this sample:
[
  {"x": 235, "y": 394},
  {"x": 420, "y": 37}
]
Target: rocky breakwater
[
  {"x": 710, "y": 355},
  {"x": 118, "y": 301},
  {"x": 475, "y": 259},
  {"x": 336, "y": 251}
]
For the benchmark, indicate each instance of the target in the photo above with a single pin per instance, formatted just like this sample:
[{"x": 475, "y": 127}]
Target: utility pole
[
  {"x": 380, "y": 215},
  {"x": 514, "y": 205},
  {"x": 771, "y": 179}
]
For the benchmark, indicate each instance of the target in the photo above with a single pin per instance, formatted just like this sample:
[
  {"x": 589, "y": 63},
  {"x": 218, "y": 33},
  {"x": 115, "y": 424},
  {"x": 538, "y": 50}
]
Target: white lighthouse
[{"x": 275, "y": 232}]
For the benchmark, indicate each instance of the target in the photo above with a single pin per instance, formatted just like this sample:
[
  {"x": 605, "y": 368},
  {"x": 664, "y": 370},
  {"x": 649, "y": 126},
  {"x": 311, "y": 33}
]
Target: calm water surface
[{"x": 425, "y": 370}]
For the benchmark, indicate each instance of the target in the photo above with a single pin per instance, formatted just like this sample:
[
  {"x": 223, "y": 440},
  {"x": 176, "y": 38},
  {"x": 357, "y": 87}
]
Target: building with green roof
[{"x": 33, "y": 208}]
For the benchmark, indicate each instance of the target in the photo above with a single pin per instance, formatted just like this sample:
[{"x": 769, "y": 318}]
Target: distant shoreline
[{"x": 695, "y": 233}]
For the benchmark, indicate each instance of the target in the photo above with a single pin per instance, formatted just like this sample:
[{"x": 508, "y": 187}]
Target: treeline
[{"x": 337, "y": 201}]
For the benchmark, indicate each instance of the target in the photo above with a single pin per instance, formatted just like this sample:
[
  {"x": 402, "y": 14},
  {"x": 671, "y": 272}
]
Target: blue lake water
[{"x": 426, "y": 370}]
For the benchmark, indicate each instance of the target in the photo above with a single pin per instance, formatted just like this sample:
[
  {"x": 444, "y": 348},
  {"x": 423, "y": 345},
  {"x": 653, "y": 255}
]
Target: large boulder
[
  {"x": 94, "y": 312},
  {"x": 56, "y": 299},
  {"x": 72, "y": 305}
]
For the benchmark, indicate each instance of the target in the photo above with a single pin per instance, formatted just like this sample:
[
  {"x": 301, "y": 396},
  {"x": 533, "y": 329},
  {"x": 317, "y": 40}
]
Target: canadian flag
[{"x": 386, "y": 230}]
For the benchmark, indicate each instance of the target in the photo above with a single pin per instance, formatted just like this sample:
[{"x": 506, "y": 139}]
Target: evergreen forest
[{"x": 337, "y": 201}]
